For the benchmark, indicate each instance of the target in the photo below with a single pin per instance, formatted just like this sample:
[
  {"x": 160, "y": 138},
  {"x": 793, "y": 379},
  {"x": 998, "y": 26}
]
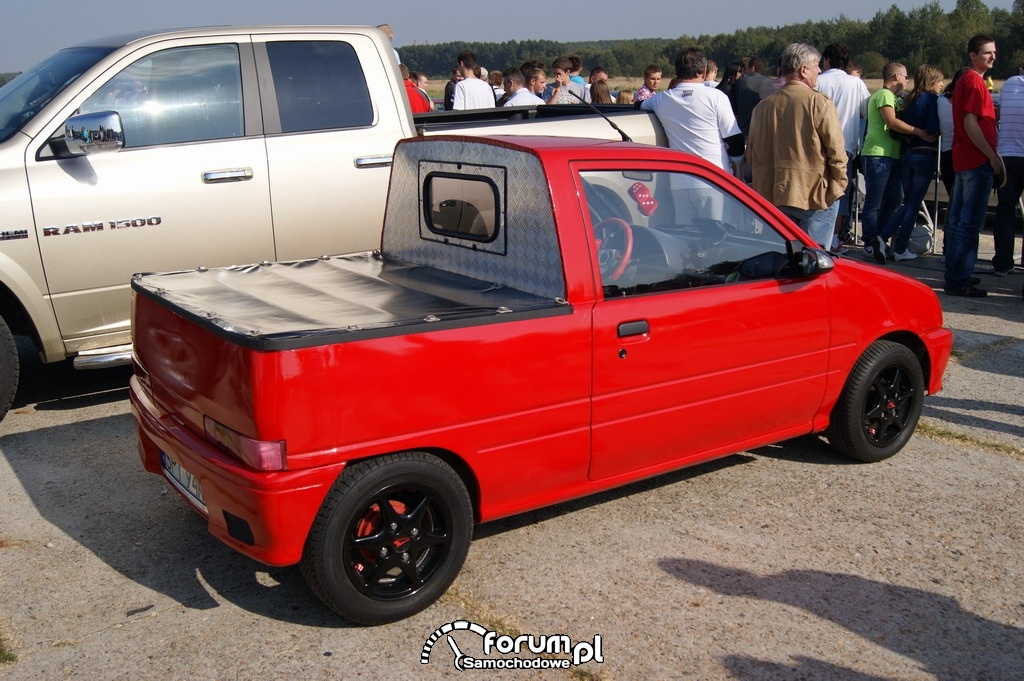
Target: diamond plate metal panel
[{"x": 525, "y": 256}]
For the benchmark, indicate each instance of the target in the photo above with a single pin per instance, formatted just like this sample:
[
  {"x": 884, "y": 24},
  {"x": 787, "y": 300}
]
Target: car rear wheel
[
  {"x": 390, "y": 537},
  {"x": 880, "y": 404}
]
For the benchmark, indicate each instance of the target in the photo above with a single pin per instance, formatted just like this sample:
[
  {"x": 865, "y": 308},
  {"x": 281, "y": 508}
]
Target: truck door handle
[
  {"x": 232, "y": 175},
  {"x": 382, "y": 161},
  {"x": 637, "y": 328}
]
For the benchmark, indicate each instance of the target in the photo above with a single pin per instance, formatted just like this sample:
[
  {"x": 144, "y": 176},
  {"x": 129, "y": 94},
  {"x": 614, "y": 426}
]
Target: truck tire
[
  {"x": 880, "y": 404},
  {"x": 10, "y": 368},
  {"x": 390, "y": 537}
]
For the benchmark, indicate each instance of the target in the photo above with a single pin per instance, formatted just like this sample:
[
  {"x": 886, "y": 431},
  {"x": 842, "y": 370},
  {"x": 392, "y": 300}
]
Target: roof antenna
[{"x": 625, "y": 137}]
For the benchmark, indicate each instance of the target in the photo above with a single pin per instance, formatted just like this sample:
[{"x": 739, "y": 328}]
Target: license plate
[{"x": 183, "y": 481}]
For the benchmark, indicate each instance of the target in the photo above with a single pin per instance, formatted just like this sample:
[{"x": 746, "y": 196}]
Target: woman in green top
[{"x": 881, "y": 153}]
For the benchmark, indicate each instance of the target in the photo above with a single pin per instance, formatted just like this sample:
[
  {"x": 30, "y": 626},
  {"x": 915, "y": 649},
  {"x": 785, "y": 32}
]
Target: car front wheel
[
  {"x": 390, "y": 537},
  {"x": 880, "y": 405}
]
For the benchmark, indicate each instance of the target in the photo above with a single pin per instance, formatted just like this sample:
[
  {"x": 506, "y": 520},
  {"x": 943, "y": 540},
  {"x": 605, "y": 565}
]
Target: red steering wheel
[{"x": 613, "y": 261}]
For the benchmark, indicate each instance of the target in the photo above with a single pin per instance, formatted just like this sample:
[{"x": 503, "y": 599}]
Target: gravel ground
[{"x": 788, "y": 562}]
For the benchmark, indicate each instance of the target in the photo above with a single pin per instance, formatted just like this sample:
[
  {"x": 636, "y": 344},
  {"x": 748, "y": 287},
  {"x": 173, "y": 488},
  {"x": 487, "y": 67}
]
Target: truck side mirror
[{"x": 93, "y": 133}]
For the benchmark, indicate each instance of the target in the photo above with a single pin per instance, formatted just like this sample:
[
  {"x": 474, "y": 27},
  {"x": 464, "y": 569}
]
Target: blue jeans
[
  {"x": 883, "y": 194},
  {"x": 918, "y": 170},
  {"x": 966, "y": 217},
  {"x": 818, "y": 223},
  {"x": 1006, "y": 214}
]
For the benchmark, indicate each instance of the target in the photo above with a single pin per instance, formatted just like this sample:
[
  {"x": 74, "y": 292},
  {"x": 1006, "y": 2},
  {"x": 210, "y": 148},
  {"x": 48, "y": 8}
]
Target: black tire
[
  {"x": 880, "y": 404},
  {"x": 390, "y": 538},
  {"x": 10, "y": 368}
]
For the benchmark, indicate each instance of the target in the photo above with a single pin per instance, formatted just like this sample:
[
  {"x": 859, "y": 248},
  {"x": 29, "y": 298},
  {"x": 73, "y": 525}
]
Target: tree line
[{"x": 925, "y": 35}]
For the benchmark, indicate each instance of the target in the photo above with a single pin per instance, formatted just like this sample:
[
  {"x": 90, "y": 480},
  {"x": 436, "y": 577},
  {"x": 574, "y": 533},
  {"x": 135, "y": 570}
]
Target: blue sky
[{"x": 33, "y": 31}]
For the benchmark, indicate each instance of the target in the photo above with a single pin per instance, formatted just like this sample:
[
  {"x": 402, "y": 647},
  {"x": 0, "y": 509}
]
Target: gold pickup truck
[{"x": 202, "y": 148}]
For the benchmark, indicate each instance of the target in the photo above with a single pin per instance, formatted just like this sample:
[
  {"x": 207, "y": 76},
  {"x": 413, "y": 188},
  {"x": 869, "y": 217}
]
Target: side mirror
[
  {"x": 93, "y": 133},
  {"x": 797, "y": 261},
  {"x": 809, "y": 262}
]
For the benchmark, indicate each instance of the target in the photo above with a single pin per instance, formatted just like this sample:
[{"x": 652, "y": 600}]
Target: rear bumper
[{"x": 264, "y": 515}]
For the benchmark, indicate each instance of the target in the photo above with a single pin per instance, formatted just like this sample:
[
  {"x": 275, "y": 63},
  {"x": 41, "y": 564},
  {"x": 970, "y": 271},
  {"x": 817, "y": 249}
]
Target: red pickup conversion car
[{"x": 545, "y": 318}]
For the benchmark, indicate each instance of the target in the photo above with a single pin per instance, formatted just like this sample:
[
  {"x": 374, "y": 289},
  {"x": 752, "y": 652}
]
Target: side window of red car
[{"x": 665, "y": 231}]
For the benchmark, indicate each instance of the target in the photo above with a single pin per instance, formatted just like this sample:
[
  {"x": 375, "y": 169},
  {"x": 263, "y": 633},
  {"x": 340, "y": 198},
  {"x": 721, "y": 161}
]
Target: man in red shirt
[{"x": 976, "y": 164}]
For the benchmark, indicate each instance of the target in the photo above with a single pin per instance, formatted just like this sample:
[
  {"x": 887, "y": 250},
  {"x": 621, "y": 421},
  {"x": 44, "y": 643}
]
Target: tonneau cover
[{"x": 288, "y": 305}]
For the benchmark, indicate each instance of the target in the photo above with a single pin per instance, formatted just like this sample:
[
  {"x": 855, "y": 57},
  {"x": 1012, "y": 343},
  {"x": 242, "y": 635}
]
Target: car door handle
[
  {"x": 639, "y": 327},
  {"x": 382, "y": 161},
  {"x": 232, "y": 175}
]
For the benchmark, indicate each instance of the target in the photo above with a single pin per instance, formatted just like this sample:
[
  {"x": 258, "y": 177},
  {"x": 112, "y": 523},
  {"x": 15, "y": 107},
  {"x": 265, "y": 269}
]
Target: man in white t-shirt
[
  {"x": 1011, "y": 147},
  {"x": 850, "y": 95},
  {"x": 471, "y": 92},
  {"x": 698, "y": 120}
]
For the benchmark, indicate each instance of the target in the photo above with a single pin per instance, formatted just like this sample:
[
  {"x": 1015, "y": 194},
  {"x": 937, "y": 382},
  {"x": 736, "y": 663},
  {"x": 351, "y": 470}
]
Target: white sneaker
[{"x": 906, "y": 255}]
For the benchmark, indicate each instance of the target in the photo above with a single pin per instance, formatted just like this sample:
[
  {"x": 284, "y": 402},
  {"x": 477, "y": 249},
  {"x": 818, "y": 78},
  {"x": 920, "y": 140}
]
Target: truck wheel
[
  {"x": 390, "y": 537},
  {"x": 879, "y": 407},
  {"x": 9, "y": 368}
]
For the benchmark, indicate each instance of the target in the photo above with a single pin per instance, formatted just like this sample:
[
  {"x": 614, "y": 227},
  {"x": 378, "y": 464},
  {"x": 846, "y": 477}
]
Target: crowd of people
[
  {"x": 526, "y": 84},
  {"x": 799, "y": 138}
]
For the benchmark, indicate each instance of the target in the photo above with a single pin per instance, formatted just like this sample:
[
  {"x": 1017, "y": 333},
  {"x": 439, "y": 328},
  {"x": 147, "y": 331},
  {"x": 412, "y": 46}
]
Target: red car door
[{"x": 704, "y": 343}]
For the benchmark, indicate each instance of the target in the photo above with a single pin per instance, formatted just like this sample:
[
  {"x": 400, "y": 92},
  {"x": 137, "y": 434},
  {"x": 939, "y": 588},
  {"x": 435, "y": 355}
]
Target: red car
[{"x": 546, "y": 318}]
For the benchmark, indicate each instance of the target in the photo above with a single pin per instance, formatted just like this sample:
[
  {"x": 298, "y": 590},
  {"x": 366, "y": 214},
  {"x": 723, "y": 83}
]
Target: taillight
[{"x": 263, "y": 455}]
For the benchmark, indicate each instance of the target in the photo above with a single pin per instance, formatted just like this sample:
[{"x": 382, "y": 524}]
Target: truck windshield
[{"x": 26, "y": 95}]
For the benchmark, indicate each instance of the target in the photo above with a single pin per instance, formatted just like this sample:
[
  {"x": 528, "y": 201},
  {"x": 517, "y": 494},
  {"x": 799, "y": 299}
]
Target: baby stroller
[{"x": 922, "y": 239}]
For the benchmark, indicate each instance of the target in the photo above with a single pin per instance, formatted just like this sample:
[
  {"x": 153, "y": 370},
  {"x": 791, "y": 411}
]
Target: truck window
[
  {"x": 665, "y": 231},
  {"x": 26, "y": 95},
  {"x": 320, "y": 86},
  {"x": 186, "y": 94},
  {"x": 461, "y": 206}
]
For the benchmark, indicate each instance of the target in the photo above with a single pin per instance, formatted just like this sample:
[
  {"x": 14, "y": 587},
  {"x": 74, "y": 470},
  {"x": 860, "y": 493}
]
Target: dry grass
[{"x": 6, "y": 656}]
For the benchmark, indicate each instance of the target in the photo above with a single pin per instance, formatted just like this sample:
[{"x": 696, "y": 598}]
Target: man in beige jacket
[{"x": 796, "y": 149}]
